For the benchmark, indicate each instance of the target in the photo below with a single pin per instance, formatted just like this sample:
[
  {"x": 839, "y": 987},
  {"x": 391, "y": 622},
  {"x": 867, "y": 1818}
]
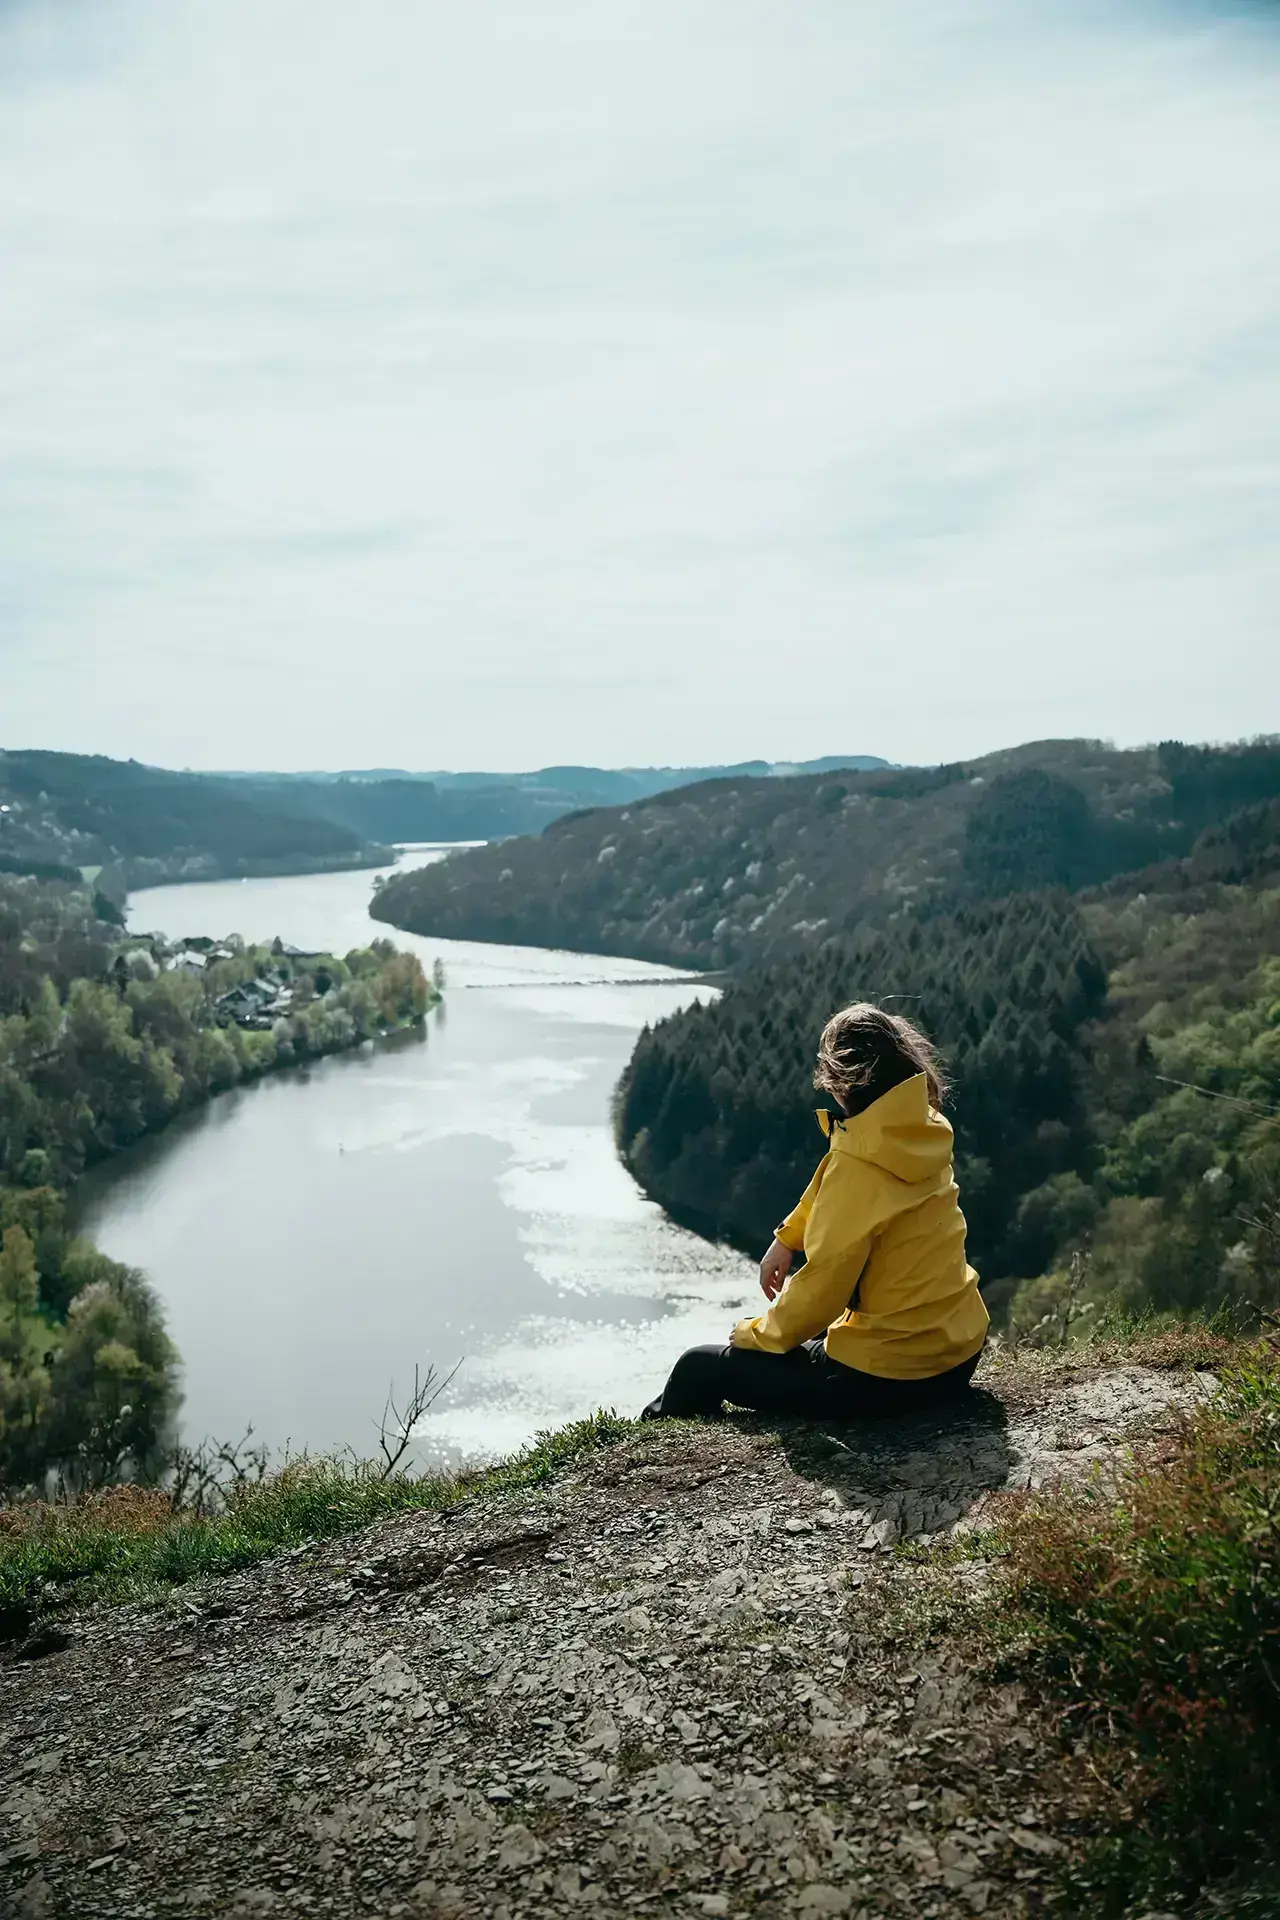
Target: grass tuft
[
  {"x": 1213, "y": 1343},
  {"x": 114, "y": 1544}
]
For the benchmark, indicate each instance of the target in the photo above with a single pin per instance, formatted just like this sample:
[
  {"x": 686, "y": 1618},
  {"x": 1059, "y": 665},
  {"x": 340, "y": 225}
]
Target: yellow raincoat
[{"x": 883, "y": 1238}]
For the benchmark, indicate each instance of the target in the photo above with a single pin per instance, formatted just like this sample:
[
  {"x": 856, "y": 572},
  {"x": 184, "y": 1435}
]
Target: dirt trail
[{"x": 640, "y": 1691}]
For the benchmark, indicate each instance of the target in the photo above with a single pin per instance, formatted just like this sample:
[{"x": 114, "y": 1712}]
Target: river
[{"x": 442, "y": 1196}]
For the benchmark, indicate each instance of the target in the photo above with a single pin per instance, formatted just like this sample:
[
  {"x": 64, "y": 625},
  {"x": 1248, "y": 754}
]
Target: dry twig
[{"x": 395, "y": 1430}]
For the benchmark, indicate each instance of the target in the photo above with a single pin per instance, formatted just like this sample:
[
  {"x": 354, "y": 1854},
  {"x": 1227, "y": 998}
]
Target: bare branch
[
  {"x": 395, "y": 1429},
  {"x": 202, "y": 1479}
]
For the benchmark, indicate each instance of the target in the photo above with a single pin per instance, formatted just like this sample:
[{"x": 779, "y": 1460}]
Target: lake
[{"x": 445, "y": 1195}]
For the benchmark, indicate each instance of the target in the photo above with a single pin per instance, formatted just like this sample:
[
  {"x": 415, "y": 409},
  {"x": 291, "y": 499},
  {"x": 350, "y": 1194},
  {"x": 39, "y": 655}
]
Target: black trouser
[{"x": 806, "y": 1383}]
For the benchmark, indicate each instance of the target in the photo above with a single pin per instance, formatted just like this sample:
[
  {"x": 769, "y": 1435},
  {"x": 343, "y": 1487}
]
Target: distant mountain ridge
[
  {"x": 623, "y": 782},
  {"x": 147, "y": 824},
  {"x": 396, "y": 804}
]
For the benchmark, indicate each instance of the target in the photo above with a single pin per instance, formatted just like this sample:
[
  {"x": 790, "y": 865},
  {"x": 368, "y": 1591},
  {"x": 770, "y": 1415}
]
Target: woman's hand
[{"x": 774, "y": 1269}]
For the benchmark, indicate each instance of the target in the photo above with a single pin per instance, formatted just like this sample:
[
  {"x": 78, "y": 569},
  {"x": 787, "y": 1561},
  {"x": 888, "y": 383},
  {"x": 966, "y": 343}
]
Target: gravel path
[{"x": 653, "y": 1688}]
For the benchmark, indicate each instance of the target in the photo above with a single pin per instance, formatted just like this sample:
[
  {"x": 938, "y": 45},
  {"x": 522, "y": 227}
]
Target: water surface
[{"x": 443, "y": 1195}]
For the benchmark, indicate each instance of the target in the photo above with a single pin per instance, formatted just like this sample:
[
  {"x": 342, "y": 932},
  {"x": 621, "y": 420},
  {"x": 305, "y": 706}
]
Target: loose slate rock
[{"x": 669, "y": 1712}]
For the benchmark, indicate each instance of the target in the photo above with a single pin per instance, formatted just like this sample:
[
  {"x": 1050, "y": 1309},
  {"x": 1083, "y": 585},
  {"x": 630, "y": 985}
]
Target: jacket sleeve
[
  {"x": 791, "y": 1232},
  {"x": 837, "y": 1242}
]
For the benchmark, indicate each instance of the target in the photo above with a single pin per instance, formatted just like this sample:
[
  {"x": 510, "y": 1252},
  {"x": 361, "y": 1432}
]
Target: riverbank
[
  {"x": 153, "y": 1031},
  {"x": 684, "y": 1672},
  {"x": 137, "y": 874}
]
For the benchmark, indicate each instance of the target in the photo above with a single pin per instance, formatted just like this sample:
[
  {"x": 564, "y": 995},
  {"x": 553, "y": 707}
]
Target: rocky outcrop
[{"x": 657, "y": 1686}]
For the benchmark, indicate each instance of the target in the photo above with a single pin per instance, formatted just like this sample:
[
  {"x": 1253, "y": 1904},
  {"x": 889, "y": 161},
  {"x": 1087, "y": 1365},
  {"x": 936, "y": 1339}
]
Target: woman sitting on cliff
[{"x": 885, "y": 1313}]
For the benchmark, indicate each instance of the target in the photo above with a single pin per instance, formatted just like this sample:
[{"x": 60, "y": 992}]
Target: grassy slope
[
  {"x": 1153, "y": 1617},
  {"x": 1148, "y": 1616},
  {"x": 119, "y": 1543}
]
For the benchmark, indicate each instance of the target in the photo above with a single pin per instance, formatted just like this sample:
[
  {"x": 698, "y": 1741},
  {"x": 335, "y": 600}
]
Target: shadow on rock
[{"x": 911, "y": 1474}]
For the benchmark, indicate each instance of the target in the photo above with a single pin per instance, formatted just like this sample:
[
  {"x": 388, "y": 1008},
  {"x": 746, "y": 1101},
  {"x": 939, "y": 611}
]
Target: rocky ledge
[{"x": 654, "y": 1687}]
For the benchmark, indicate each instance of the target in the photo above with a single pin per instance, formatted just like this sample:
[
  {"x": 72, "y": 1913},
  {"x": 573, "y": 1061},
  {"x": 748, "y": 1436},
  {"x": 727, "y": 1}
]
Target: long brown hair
[{"x": 865, "y": 1051}]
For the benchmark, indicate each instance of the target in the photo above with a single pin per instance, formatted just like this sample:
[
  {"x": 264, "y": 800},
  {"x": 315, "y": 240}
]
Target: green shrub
[{"x": 1153, "y": 1613}]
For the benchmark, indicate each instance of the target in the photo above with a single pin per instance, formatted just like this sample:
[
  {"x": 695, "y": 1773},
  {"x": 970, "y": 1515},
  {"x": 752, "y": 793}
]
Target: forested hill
[
  {"x": 1116, "y": 1061},
  {"x": 73, "y": 811},
  {"x": 740, "y": 870}
]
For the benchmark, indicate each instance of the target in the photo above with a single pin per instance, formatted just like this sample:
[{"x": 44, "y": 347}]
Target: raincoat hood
[{"x": 900, "y": 1133}]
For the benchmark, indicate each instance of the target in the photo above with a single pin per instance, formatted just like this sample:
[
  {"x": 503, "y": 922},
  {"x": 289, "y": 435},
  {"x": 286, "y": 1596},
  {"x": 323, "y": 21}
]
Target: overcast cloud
[{"x": 636, "y": 380}]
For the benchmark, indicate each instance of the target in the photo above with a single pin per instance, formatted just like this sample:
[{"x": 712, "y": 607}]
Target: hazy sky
[{"x": 491, "y": 384}]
